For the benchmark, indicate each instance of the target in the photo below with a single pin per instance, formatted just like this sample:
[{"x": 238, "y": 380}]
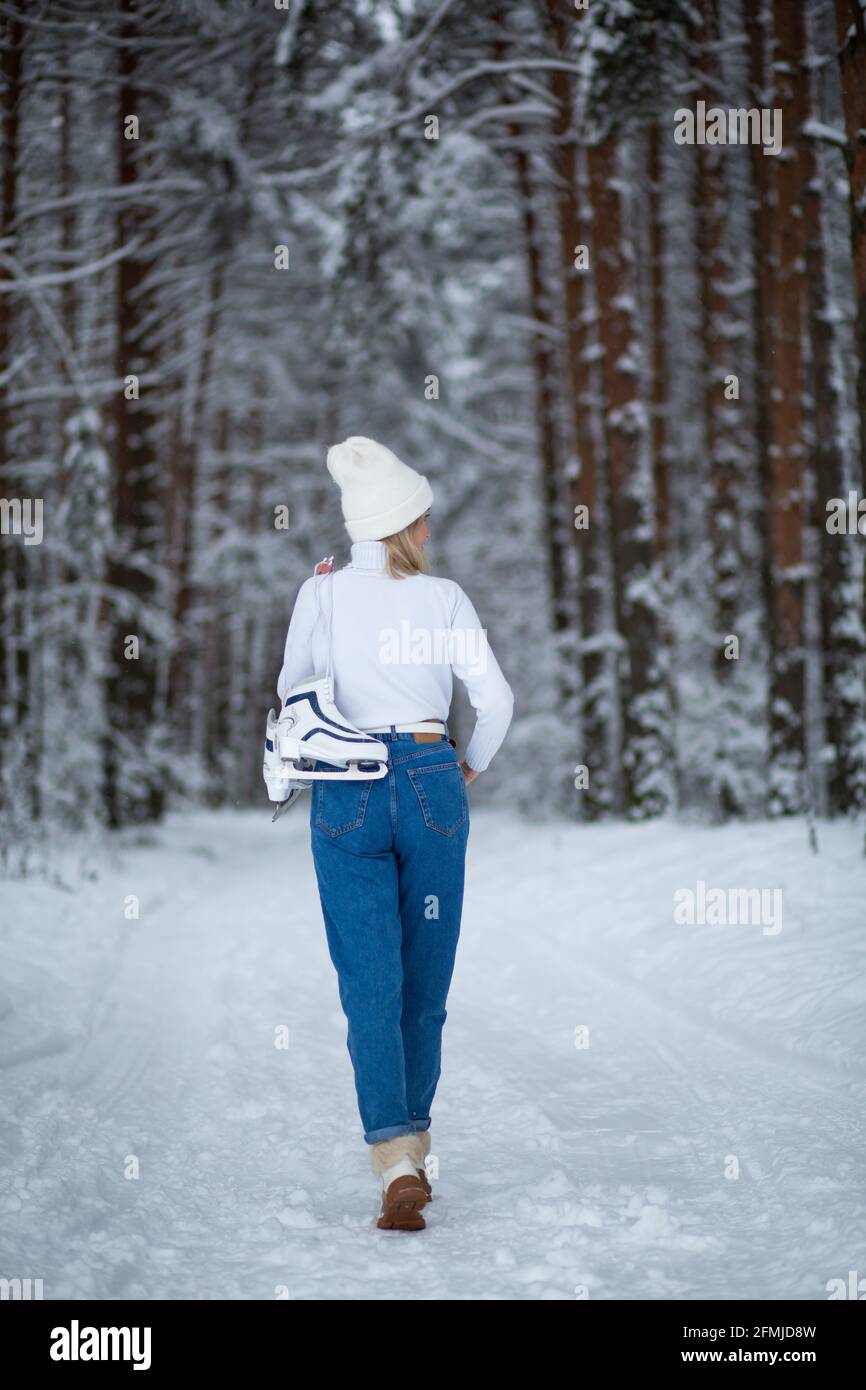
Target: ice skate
[
  {"x": 283, "y": 784},
  {"x": 311, "y": 729}
]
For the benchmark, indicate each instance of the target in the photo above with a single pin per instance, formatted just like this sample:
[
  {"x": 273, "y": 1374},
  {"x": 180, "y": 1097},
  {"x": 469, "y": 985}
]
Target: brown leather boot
[
  {"x": 402, "y": 1201},
  {"x": 425, "y": 1183}
]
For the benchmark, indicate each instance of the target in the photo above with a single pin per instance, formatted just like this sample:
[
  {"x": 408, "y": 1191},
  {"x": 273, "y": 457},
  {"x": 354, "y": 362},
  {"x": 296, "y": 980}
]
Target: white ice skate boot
[
  {"x": 311, "y": 729},
  {"x": 283, "y": 784}
]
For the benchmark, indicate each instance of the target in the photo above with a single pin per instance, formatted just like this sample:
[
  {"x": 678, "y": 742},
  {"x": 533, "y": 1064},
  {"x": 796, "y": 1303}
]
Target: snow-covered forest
[{"x": 526, "y": 247}]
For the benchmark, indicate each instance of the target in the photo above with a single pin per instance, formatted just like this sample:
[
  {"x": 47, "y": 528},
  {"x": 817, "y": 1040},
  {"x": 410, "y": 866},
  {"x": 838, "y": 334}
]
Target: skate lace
[{"x": 329, "y": 624}]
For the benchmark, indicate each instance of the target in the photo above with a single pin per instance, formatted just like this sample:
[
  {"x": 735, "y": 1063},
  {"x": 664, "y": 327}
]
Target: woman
[{"x": 389, "y": 853}]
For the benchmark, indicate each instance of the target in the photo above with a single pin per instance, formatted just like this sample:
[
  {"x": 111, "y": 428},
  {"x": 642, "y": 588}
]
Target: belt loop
[{"x": 394, "y": 730}]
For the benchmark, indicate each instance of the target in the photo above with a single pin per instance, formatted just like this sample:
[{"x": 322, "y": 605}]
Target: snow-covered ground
[{"x": 607, "y": 1170}]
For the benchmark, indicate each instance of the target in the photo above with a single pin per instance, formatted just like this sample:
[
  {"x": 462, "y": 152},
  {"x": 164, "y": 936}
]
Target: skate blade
[
  {"x": 283, "y": 806},
  {"x": 355, "y": 772}
]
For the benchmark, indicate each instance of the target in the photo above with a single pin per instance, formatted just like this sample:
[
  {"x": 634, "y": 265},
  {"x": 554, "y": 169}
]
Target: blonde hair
[{"x": 405, "y": 556}]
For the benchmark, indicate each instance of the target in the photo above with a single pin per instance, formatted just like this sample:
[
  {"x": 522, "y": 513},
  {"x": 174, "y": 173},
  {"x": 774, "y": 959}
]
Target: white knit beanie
[{"x": 380, "y": 494}]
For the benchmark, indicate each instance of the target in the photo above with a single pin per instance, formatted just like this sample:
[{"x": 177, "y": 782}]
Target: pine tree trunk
[
  {"x": 757, "y": 22},
  {"x": 11, "y": 61},
  {"x": 13, "y": 565},
  {"x": 646, "y": 716},
  {"x": 553, "y": 500},
  {"x": 132, "y": 785},
  {"x": 720, "y": 421},
  {"x": 842, "y": 631},
  {"x": 788, "y": 790},
  {"x": 544, "y": 377},
  {"x": 851, "y": 39},
  {"x": 711, "y": 275},
  {"x": 587, "y": 492},
  {"x": 659, "y": 411},
  {"x": 184, "y": 494},
  {"x": 69, "y": 291},
  {"x": 256, "y": 628},
  {"x": 217, "y": 715},
  {"x": 658, "y": 364},
  {"x": 851, "y": 36}
]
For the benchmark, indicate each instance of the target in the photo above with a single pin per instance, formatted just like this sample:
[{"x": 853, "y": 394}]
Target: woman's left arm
[{"x": 489, "y": 692}]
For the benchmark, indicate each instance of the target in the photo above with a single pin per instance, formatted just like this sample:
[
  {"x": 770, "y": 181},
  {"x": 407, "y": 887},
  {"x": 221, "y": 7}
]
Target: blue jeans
[{"x": 389, "y": 857}]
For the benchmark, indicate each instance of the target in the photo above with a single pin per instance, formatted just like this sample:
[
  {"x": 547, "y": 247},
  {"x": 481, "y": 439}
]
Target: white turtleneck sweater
[{"x": 396, "y": 645}]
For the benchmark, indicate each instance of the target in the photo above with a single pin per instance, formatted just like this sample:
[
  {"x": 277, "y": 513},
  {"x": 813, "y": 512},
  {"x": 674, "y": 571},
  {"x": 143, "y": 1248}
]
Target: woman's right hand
[{"x": 469, "y": 773}]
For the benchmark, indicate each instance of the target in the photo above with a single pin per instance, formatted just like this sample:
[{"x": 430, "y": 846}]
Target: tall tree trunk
[
  {"x": 134, "y": 790},
  {"x": 553, "y": 498},
  {"x": 840, "y": 606},
  {"x": 256, "y": 626},
  {"x": 68, "y": 292},
  {"x": 646, "y": 715},
  {"x": 658, "y": 361},
  {"x": 851, "y": 36},
  {"x": 215, "y": 666},
  {"x": 13, "y": 564},
  {"x": 788, "y": 789},
  {"x": 590, "y": 529},
  {"x": 590, "y": 499},
  {"x": 186, "y": 478},
  {"x": 659, "y": 433},
  {"x": 183, "y": 517},
  {"x": 11, "y": 62},
  {"x": 720, "y": 423},
  {"x": 764, "y": 168}
]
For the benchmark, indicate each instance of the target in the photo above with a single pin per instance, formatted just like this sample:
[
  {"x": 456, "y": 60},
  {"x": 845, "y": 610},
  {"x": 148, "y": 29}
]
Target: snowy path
[{"x": 560, "y": 1168}]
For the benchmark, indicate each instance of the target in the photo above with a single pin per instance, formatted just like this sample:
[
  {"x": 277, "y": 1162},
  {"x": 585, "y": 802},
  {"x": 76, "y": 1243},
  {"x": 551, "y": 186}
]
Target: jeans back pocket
[
  {"x": 341, "y": 806},
  {"x": 441, "y": 791}
]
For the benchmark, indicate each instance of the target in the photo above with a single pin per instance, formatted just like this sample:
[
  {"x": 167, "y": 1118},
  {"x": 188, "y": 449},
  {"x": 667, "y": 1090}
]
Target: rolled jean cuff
[{"x": 375, "y": 1136}]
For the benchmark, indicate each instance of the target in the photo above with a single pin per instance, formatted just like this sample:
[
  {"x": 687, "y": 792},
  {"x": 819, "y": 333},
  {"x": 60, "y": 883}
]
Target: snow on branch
[{"x": 826, "y": 134}]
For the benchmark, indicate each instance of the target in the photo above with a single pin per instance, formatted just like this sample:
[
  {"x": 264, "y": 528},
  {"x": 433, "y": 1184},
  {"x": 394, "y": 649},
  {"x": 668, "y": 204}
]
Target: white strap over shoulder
[{"x": 329, "y": 622}]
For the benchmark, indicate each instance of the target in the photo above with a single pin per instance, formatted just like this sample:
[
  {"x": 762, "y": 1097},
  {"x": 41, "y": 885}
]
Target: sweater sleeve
[
  {"x": 298, "y": 651},
  {"x": 490, "y": 694}
]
